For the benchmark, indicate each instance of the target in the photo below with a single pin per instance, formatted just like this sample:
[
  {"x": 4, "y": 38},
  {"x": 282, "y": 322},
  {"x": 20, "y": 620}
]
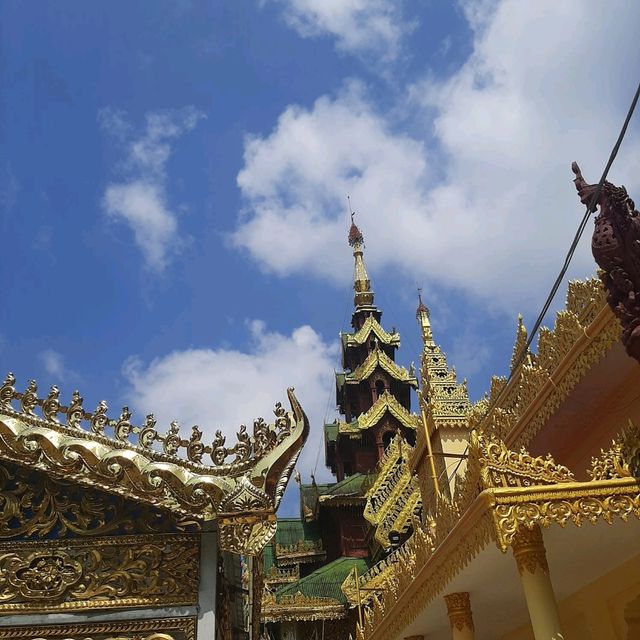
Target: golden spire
[
  {"x": 361, "y": 282},
  {"x": 422, "y": 316}
]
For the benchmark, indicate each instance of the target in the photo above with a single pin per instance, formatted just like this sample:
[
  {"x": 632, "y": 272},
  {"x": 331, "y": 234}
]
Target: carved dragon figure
[{"x": 616, "y": 248}]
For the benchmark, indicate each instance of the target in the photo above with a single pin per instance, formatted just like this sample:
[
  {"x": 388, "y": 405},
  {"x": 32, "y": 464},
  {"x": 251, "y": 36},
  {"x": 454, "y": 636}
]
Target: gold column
[
  {"x": 531, "y": 558},
  {"x": 460, "y": 616}
]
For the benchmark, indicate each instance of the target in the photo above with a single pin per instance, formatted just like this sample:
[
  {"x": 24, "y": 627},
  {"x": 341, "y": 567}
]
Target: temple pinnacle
[
  {"x": 422, "y": 316},
  {"x": 361, "y": 282}
]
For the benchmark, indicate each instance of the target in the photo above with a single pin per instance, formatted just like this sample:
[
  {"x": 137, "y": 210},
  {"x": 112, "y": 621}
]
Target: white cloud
[
  {"x": 296, "y": 180},
  {"x": 359, "y": 26},
  {"x": 53, "y": 363},
  {"x": 141, "y": 199},
  {"x": 143, "y": 205},
  {"x": 489, "y": 206},
  {"x": 223, "y": 388}
]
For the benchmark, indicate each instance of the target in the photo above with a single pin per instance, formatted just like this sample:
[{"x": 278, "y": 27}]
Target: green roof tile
[
  {"x": 325, "y": 582},
  {"x": 331, "y": 432},
  {"x": 293, "y": 530},
  {"x": 269, "y": 557}
]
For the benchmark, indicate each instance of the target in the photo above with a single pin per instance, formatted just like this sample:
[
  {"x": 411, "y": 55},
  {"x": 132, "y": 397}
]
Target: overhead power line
[{"x": 591, "y": 207}]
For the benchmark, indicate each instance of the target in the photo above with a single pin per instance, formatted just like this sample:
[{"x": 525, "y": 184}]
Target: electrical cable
[{"x": 591, "y": 207}]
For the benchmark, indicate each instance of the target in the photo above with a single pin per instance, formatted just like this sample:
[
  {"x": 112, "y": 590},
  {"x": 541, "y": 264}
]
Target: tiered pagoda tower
[{"x": 373, "y": 394}]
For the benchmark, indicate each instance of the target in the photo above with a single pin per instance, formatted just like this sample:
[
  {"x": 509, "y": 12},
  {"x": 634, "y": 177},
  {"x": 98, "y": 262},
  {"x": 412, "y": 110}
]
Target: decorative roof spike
[
  {"x": 422, "y": 316},
  {"x": 361, "y": 282}
]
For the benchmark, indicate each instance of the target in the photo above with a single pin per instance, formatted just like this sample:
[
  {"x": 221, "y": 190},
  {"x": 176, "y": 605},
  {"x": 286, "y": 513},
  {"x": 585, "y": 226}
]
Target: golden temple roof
[
  {"x": 371, "y": 325},
  {"x": 386, "y": 402},
  {"x": 378, "y": 358},
  {"x": 446, "y": 399},
  {"x": 242, "y": 487}
]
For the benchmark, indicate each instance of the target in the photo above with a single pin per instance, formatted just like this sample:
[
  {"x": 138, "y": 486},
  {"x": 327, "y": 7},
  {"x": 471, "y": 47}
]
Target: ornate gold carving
[
  {"x": 420, "y": 576},
  {"x": 376, "y": 579},
  {"x": 299, "y": 607},
  {"x": 622, "y": 460},
  {"x": 159, "y": 629},
  {"x": 386, "y": 402},
  {"x": 536, "y": 492},
  {"x": 246, "y": 535},
  {"x": 445, "y": 399},
  {"x": 502, "y": 491},
  {"x": 528, "y": 550},
  {"x": 371, "y": 325},
  {"x": 277, "y": 576},
  {"x": 378, "y": 358},
  {"x": 265, "y": 437},
  {"x": 459, "y": 610},
  {"x": 502, "y": 467},
  {"x": 394, "y": 498},
  {"x": 564, "y": 356},
  {"x": 34, "y": 505},
  {"x": 302, "y": 547},
  {"x": 126, "y": 571},
  {"x": 575, "y": 503},
  {"x": 42, "y": 575},
  {"x": 261, "y": 466}
]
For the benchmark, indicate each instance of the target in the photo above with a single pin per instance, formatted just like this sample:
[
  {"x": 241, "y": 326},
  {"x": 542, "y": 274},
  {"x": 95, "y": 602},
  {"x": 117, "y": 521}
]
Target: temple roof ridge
[
  {"x": 378, "y": 358},
  {"x": 371, "y": 325},
  {"x": 371, "y": 417}
]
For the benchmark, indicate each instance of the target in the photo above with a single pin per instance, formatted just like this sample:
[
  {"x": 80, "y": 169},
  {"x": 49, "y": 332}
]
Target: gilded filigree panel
[
  {"x": 34, "y": 505},
  {"x": 98, "y": 573},
  {"x": 161, "y": 629}
]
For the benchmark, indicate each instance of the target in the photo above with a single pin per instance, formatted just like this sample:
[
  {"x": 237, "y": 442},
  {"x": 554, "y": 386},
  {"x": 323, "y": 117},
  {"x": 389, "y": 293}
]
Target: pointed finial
[
  {"x": 355, "y": 235},
  {"x": 422, "y": 316},
  {"x": 422, "y": 308},
  {"x": 361, "y": 282}
]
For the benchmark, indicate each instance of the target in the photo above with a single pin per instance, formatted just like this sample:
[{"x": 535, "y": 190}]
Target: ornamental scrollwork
[
  {"x": 99, "y": 573},
  {"x": 459, "y": 610},
  {"x": 33, "y": 505},
  {"x": 502, "y": 467},
  {"x": 621, "y": 460},
  {"x": 247, "y": 448},
  {"x": 250, "y": 485}
]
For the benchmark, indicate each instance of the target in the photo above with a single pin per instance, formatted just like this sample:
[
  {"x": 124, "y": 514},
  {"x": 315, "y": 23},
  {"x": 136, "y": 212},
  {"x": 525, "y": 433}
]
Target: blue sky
[{"x": 173, "y": 183}]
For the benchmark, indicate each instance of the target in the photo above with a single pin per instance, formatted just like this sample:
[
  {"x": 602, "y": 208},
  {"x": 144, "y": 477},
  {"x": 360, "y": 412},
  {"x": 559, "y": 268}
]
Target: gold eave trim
[
  {"x": 307, "y": 609},
  {"x": 516, "y": 437},
  {"x": 496, "y": 514},
  {"x": 375, "y": 359},
  {"x": 372, "y": 325}
]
